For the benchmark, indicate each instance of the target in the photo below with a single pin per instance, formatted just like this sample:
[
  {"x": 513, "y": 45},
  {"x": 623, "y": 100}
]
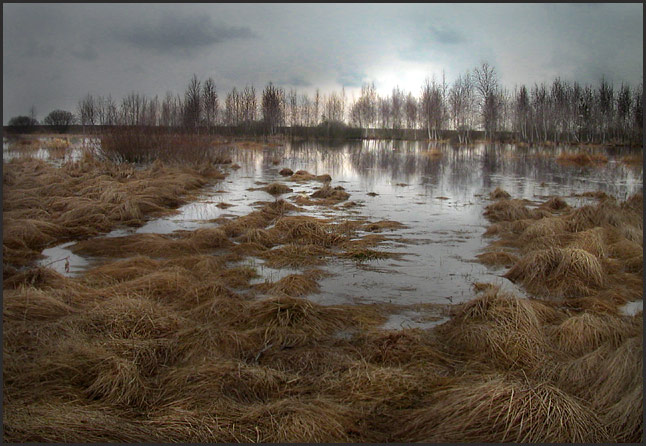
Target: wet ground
[{"x": 437, "y": 191}]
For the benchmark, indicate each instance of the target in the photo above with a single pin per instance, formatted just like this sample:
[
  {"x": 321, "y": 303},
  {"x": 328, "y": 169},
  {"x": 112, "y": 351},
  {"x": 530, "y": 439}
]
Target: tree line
[{"x": 559, "y": 111}]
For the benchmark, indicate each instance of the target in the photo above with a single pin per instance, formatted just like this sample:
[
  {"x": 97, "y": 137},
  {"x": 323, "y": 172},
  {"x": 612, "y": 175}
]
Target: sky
[{"x": 54, "y": 54}]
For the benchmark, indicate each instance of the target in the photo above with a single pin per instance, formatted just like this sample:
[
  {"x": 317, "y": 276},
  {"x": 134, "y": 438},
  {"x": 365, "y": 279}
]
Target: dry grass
[
  {"x": 330, "y": 194},
  {"x": 633, "y": 160},
  {"x": 507, "y": 210},
  {"x": 44, "y": 205},
  {"x": 277, "y": 189},
  {"x": 501, "y": 329},
  {"x": 497, "y": 258},
  {"x": 295, "y": 256},
  {"x": 184, "y": 348},
  {"x": 307, "y": 231},
  {"x": 155, "y": 245},
  {"x": 286, "y": 172},
  {"x": 499, "y": 193},
  {"x": 582, "y": 158},
  {"x": 498, "y": 409},
  {"x": 565, "y": 272},
  {"x": 303, "y": 176}
]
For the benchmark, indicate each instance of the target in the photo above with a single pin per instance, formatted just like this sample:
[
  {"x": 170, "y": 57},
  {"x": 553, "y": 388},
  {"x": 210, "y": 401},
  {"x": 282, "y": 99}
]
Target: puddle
[
  {"x": 632, "y": 308},
  {"x": 412, "y": 319},
  {"x": 59, "y": 256}
]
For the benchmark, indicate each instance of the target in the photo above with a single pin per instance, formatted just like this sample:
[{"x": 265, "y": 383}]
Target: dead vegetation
[
  {"x": 173, "y": 342},
  {"x": 45, "y": 205},
  {"x": 582, "y": 158}
]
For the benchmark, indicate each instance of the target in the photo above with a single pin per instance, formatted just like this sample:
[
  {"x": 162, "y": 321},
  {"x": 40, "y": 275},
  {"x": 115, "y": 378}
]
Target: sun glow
[{"x": 408, "y": 77}]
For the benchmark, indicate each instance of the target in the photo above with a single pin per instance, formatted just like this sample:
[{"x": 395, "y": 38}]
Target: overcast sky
[{"x": 53, "y": 54}]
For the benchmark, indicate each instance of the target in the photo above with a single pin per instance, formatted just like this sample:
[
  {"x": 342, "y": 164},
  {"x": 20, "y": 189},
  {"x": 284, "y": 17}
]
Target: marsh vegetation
[{"x": 270, "y": 319}]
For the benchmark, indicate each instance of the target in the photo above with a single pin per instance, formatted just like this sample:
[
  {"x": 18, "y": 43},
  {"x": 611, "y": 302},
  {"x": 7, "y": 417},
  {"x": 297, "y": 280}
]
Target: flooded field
[
  {"x": 356, "y": 307},
  {"x": 438, "y": 192}
]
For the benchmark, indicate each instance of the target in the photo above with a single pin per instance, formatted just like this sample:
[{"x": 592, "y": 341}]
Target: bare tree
[
  {"x": 461, "y": 104},
  {"x": 272, "y": 107},
  {"x": 410, "y": 109},
  {"x": 432, "y": 107},
  {"x": 193, "y": 103},
  {"x": 87, "y": 110},
  {"x": 210, "y": 102},
  {"x": 384, "y": 112},
  {"x": 486, "y": 83},
  {"x": 397, "y": 107},
  {"x": 248, "y": 106},
  {"x": 317, "y": 108}
]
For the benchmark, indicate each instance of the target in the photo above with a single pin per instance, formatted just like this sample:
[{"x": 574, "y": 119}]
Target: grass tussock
[
  {"x": 497, "y": 258},
  {"x": 582, "y": 158},
  {"x": 564, "y": 272},
  {"x": 155, "y": 245},
  {"x": 286, "y": 172},
  {"x": 507, "y": 210},
  {"x": 277, "y": 189},
  {"x": 307, "y": 231},
  {"x": 304, "y": 176},
  {"x": 44, "y": 205},
  {"x": 499, "y": 193},
  {"x": 498, "y": 409},
  {"x": 331, "y": 194},
  {"x": 501, "y": 329},
  {"x": 295, "y": 256}
]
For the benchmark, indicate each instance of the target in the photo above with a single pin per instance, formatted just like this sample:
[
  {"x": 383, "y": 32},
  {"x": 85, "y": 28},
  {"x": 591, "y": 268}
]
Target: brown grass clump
[
  {"x": 566, "y": 272},
  {"x": 556, "y": 204},
  {"x": 498, "y": 409},
  {"x": 32, "y": 304},
  {"x": 633, "y": 160},
  {"x": 302, "y": 420},
  {"x": 308, "y": 231},
  {"x": 291, "y": 321},
  {"x": 544, "y": 227},
  {"x": 499, "y": 193},
  {"x": 362, "y": 254},
  {"x": 57, "y": 421},
  {"x": 157, "y": 245},
  {"x": 286, "y": 172},
  {"x": 259, "y": 236},
  {"x": 500, "y": 329},
  {"x": 582, "y": 158},
  {"x": 208, "y": 381},
  {"x": 591, "y": 241},
  {"x": 331, "y": 194},
  {"x": 303, "y": 175},
  {"x": 383, "y": 224},
  {"x": 44, "y": 205},
  {"x": 507, "y": 210},
  {"x": 295, "y": 255},
  {"x": 277, "y": 189},
  {"x": 497, "y": 258},
  {"x": 585, "y": 332}
]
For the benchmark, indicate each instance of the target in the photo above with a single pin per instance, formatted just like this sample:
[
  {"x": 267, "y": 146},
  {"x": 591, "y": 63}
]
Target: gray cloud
[
  {"x": 153, "y": 48},
  {"x": 183, "y": 34},
  {"x": 446, "y": 35},
  {"x": 87, "y": 52},
  {"x": 37, "y": 49},
  {"x": 351, "y": 78},
  {"x": 296, "y": 81}
]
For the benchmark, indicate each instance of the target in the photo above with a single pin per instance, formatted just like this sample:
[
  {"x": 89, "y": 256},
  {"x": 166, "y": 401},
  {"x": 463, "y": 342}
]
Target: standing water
[{"x": 437, "y": 191}]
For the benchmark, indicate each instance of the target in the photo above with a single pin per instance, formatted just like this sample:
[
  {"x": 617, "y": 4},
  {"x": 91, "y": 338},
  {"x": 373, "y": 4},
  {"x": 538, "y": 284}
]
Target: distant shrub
[{"x": 61, "y": 120}]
